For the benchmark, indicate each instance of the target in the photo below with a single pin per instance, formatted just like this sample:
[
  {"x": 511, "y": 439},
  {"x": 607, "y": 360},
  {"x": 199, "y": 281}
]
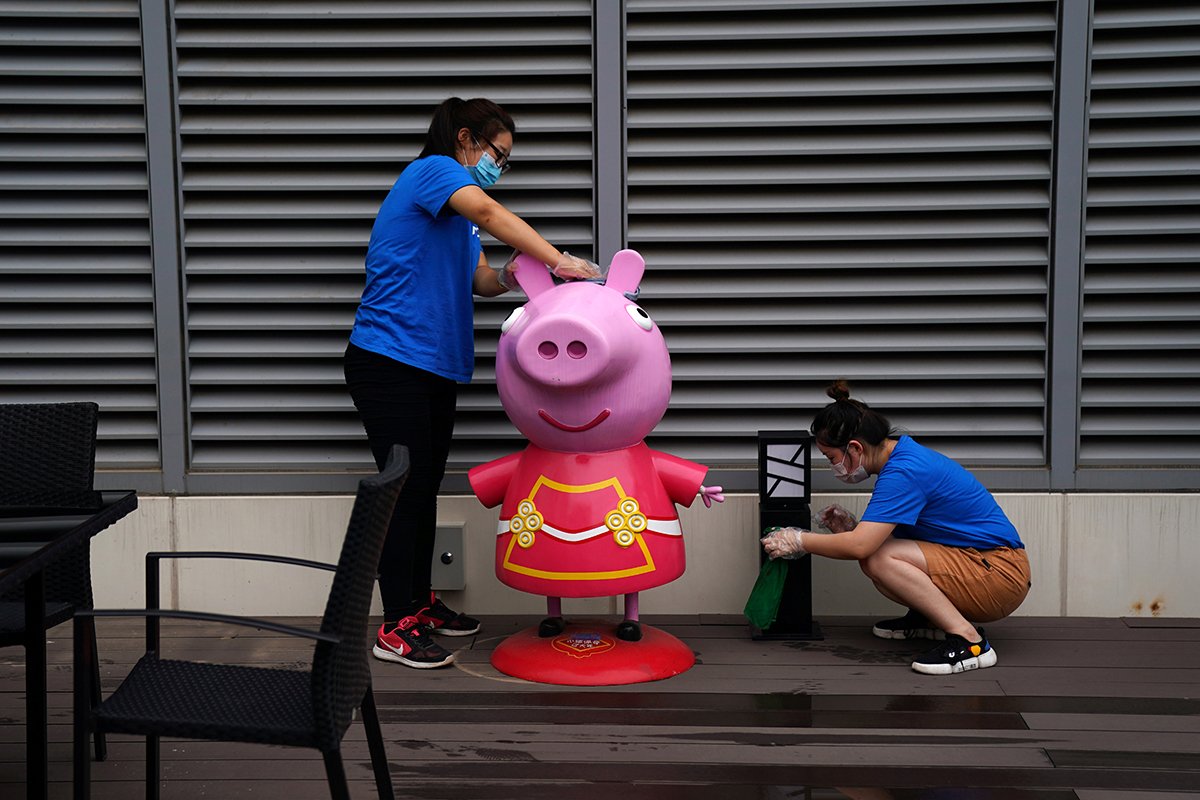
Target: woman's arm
[
  {"x": 474, "y": 204},
  {"x": 486, "y": 282},
  {"x": 852, "y": 545}
]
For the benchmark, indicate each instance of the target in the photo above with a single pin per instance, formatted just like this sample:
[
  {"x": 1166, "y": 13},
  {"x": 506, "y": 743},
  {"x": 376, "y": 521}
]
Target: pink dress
[{"x": 588, "y": 524}]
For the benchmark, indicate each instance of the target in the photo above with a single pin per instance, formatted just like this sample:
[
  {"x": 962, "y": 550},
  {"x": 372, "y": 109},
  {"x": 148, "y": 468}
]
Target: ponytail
[{"x": 845, "y": 419}]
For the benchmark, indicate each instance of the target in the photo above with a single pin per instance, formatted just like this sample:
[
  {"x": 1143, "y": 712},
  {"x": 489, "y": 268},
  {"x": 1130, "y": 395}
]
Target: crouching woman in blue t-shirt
[{"x": 932, "y": 537}]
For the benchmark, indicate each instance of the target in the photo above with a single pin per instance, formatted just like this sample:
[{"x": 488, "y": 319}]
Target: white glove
[
  {"x": 784, "y": 543},
  {"x": 836, "y": 519},
  {"x": 574, "y": 268},
  {"x": 506, "y": 275}
]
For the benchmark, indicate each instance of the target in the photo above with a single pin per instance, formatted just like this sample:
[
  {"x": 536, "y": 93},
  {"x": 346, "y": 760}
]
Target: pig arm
[
  {"x": 680, "y": 477},
  {"x": 490, "y": 481}
]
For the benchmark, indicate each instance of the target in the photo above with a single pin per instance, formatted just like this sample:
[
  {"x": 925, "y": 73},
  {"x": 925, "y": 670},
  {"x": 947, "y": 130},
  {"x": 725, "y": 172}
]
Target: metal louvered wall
[
  {"x": 76, "y": 310},
  {"x": 294, "y": 123},
  {"x": 855, "y": 189},
  {"x": 1140, "y": 396},
  {"x": 874, "y": 189}
]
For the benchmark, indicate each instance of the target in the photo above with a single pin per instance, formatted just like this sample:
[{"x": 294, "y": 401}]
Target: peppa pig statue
[{"x": 587, "y": 509}]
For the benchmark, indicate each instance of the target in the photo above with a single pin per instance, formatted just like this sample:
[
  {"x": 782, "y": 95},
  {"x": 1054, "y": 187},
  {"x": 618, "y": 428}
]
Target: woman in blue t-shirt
[
  {"x": 932, "y": 537},
  {"x": 413, "y": 343}
]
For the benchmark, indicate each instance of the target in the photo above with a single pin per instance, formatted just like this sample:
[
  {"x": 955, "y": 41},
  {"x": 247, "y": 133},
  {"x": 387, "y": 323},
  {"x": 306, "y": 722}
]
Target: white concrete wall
[{"x": 1091, "y": 555}]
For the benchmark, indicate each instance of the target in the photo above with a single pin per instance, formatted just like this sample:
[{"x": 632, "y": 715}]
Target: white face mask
[{"x": 845, "y": 475}]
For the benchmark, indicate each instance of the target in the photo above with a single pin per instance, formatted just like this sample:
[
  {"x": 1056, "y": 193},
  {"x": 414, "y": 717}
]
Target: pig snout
[{"x": 563, "y": 351}]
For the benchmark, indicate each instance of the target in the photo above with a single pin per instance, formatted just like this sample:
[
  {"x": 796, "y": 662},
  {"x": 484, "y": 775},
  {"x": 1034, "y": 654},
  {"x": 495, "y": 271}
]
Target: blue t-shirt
[
  {"x": 417, "y": 304},
  {"x": 932, "y": 498}
]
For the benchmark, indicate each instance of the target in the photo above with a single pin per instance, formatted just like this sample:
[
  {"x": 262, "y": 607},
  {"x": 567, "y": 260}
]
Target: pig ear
[
  {"x": 533, "y": 275},
  {"x": 626, "y": 270}
]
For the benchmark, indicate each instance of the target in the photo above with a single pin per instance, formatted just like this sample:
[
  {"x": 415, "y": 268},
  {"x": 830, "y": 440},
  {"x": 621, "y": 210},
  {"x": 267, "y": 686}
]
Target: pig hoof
[
  {"x": 551, "y": 626},
  {"x": 630, "y": 630}
]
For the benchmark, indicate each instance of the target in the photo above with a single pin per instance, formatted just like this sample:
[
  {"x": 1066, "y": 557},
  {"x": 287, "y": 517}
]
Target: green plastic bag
[{"x": 763, "y": 603}]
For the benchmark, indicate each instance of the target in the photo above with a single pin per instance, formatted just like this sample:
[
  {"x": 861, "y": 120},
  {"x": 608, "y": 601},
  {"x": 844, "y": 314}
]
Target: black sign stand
[{"x": 783, "y": 502}]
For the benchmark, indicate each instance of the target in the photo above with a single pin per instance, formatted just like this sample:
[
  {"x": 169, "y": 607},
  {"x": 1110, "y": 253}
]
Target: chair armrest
[
  {"x": 153, "y": 557},
  {"x": 152, "y": 582},
  {"x": 229, "y": 619},
  {"x": 299, "y": 562}
]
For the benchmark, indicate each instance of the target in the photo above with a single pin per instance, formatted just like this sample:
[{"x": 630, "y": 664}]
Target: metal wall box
[{"x": 448, "y": 557}]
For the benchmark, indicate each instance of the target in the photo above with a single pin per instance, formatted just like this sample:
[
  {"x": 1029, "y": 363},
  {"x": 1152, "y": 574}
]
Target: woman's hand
[
  {"x": 575, "y": 268},
  {"x": 784, "y": 543},
  {"x": 506, "y": 276},
  {"x": 836, "y": 519}
]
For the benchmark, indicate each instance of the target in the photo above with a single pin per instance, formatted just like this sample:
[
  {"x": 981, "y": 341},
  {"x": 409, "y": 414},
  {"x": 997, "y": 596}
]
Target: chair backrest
[
  {"x": 342, "y": 672},
  {"x": 47, "y": 453},
  {"x": 48, "y": 460}
]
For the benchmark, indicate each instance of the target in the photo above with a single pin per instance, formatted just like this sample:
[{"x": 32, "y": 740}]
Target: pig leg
[
  {"x": 631, "y": 606},
  {"x": 553, "y": 624},
  {"x": 630, "y": 629}
]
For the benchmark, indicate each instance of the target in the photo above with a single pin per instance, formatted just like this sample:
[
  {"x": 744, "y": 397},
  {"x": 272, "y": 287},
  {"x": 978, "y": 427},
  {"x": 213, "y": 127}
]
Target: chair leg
[
  {"x": 152, "y": 768},
  {"x": 94, "y": 657},
  {"x": 36, "y": 723},
  {"x": 383, "y": 778},
  {"x": 336, "y": 773},
  {"x": 83, "y": 694}
]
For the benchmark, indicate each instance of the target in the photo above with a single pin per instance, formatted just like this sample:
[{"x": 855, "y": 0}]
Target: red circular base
[{"x": 588, "y": 653}]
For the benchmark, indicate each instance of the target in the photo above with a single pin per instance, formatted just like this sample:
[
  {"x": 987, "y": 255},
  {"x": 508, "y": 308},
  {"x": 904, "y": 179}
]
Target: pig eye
[
  {"x": 640, "y": 317},
  {"x": 516, "y": 314}
]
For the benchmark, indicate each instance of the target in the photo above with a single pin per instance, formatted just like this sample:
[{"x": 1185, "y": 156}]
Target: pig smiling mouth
[{"x": 603, "y": 415}]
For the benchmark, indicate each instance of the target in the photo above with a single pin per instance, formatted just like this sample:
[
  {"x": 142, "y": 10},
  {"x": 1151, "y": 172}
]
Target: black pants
[{"x": 400, "y": 404}]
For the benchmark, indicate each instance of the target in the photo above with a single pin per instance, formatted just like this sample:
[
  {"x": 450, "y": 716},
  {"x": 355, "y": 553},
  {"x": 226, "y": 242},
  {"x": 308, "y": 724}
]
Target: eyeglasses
[{"x": 501, "y": 156}]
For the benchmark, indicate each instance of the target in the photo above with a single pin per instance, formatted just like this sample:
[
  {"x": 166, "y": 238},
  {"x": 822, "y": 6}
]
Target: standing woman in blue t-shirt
[
  {"x": 413, "y": 343},
  {"x": 932, "y": 537}
]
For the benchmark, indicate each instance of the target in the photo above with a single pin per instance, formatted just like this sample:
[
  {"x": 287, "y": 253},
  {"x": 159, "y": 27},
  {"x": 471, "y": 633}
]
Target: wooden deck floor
[{"x": 1099, "y": 709}]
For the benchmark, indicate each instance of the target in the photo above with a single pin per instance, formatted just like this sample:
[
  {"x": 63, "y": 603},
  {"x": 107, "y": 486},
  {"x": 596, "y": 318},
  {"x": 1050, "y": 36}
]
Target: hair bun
[{"x": 839, "y": 390}]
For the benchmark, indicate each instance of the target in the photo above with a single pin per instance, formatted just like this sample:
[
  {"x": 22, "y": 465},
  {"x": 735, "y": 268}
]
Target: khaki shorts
[{"x": 984, "y": 585}]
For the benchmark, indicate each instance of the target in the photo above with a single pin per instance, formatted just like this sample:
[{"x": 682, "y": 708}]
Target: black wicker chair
[
  {"x": 47, "y": 463},
  {"x": 186, "y": 699}
]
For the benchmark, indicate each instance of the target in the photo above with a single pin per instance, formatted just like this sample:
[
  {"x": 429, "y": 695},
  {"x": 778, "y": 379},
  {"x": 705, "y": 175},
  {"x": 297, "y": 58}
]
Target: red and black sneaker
[
  {"x": 437, "y": 617},
  {"x": 408, "y": 643}
]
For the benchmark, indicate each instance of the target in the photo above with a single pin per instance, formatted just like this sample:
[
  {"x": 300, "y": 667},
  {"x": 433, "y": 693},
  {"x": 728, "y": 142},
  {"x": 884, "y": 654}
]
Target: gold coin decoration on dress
[
  {"x": 525, "y": 523},
  {"x": 625, "y": 522},
  {"x": 623, "y": 537}
]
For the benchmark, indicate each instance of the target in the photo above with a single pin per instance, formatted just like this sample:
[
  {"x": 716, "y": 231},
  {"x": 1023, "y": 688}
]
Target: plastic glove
[
  {"x": 506, "y": 275},
  {"x": 836, "y": 519},
  {"x": 784, "y": 543},
  {"x": 574, "y": 268},
  {"x": 711, "y": 494}
]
